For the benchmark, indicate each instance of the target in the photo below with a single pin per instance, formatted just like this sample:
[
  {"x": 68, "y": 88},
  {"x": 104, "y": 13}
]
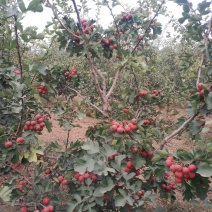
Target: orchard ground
[{"x": 78, "y": 133}]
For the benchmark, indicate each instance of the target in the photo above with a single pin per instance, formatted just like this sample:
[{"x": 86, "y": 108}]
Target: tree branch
[
  {"x": 61, "y": 23},
  {"x": 78, "y": 16},
  {"x": 115, "y": 81},
  {"x": 181, "y": 128},
  {"x": 150, "y": 23},
  {"x": 84, "y": 98}
]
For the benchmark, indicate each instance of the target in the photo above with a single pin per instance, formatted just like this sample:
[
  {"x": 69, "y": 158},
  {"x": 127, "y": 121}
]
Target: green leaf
[
  {"x": 41, "y": 68},
  {"x": 81, "y": 115},
  {"x": 72, "y": 205},
  {"x": 83, "y": 164},
  {"x": 3, "y": 2},
  {"x": 48, "y": 125},
  {"x": 138, "y": 161},
  {"x": 21, "y": 6},
  {"x": 106, "y": 185},
  {"x": 109, "y": 151},
  {"x": 205, "y": 170},
  {"x": 194, "y": 127},
  {"x": 91, "y": 147},
  {"x": 35, "y": 6},
  {"x": 162, "y": 153},
  {"x": 5, "y": 193},
  {"x": 17, "y": 88},
  {"x": 209, "y": 101}
]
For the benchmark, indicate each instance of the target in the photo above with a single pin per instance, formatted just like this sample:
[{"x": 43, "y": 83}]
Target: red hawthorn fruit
[
  {"x": 87, "y": 175},
  {"x": 45, "y": 210},
  {"x": 76, "y": 176},
  {"x": 46, "y": 201},
  {"x": 129, "y": 164},
  {"x": 48, "y": 171},
  {"x": 173, "y": 168},
  {"x": 185, "y": 170},
  {"x": 8, "y": 144},
  {"x": 42, "y": 124},
  {"x": 19, "y": 140},
  {"x": 81, "y": 178},
  {"x": 60, "y": 178},
  {"x": 178, "y": 174},
  {"x": 163, "y": 186},
  {"x": 93, "y": 177},
  {"x": 111, "y": 157},
  {"x": 110, "y": 40},
  {"x": 178, "y": 168},
  {"x": 17, "y": 72},
  {"x": 192, "y": 168},
  {"x": 114, "y": 46},
  {"x": 28, "y": 123},
  {"x": 168, "y": 188},
  {"x": 24, "y": 209},
  {"x": 192, "y": 175},
  {"x": 38, "y": 116},
  {"x": 178, "y": 180},
  {"x": 105, "y": 198},
  {"x": 168, "y": 163},
  {"x": 138, "y": 172},
  {"x": 33, "y": 123},
  {"x": 133, "y": 127},
  {"x": 170, "y": 158},
  {"x": 134, "y": 121},
  {"x": 36, "y": 211},
  {"x": 200, "y": 85},
  {"x": 127, "y": 169},
  {"x": 120, "y": 129},
  {"x": 51, "y": 208},
  {"x": 150, "y": 154},
  {"x": 64, "y": 182},
  {"x": 114, "y": 127},
  {"x": 26, "y": 127},
  {"x": 40, "y": 120},
  {"x": 133, "y": 150},
  {"x": 125, "y": 110},
  {"x": 127, "y": 129}
]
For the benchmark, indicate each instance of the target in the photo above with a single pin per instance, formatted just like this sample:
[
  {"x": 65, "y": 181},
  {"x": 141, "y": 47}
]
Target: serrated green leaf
[
  {"x": 91, "y": 147},
  {"x": 205, "y": 170}
]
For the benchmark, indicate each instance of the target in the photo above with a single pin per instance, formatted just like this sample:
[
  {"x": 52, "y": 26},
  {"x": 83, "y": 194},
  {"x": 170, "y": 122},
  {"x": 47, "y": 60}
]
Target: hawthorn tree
[{"x": 124, "y": 163}]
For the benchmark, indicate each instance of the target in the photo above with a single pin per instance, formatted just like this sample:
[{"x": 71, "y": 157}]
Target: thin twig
[
  {"x": 181, "y": 128},
  {"x": 67, "y": 141},
  {"x": 84, "y": 98},
  {"x": 78, "y": 16},
  {"x": 150, "y": 23},
  {"x": 115, "y": 81},
  {"x": 61, "y": 23}
]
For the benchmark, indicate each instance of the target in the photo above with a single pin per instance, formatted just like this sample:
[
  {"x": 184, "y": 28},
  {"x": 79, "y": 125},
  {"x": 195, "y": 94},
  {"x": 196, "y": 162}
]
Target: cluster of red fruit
[
  {"x": 156, "y": 92},
  {"x": 115, "y": 126},
  {"x": 86, "y": 175},
  {"x": 200, "y": 89},
  {"x": 19, "y": 140},
  {"x": 36, "y": 125},
  {"x": 143, "y": 152},
  {"x": 168, "y": 187},
  {"x": 71, "y": 72},
  {"x": 148, "y": 122},
  {"x": 129, "y": 167},
  {"x": 86, "y": 29},
  {"x": 142, "y": 93},
  {"x": 109, "y": 42},
  {"x": 63, "y": 181},
  {"x": 181, "y": 172},
  {"x": 140, "y": 194},
  {"x": 21, "y": 184},
  {"x": 126, "y": 17},
  {"x": 42, "y": 89}
]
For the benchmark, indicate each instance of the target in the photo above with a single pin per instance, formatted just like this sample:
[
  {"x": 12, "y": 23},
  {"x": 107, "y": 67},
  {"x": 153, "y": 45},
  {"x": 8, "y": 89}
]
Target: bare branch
[
  {"x": 180, "y": 129},
  {"x": 200, "y": 69},
  {"x": 61, "y": 23},
  {"x": 84, "y": 98},
  {"x": 115, "y": 81},
  {"x": 78, "y": 16}
]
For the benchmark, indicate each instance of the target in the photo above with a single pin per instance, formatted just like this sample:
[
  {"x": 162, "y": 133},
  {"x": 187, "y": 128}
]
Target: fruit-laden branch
[
  {"x": 84, "y": 98},
  {"x": 115, "y": 81},
  {"x": 150, "y": 23},
  {"x": 180, "y": 129},
  {"x": 61, "y": 23},
  {"x": 206, "y": 46}
]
